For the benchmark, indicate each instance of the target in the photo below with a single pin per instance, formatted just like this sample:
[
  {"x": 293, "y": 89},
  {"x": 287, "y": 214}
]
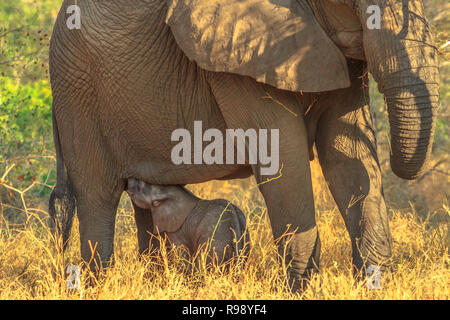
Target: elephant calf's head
[{"x": 169, "y": 205}]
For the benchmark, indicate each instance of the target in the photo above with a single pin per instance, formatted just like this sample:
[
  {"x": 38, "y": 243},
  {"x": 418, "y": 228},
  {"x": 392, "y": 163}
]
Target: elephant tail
[
  {"x": 239, "y": 225},
  {"x": 61, "y": 216}
]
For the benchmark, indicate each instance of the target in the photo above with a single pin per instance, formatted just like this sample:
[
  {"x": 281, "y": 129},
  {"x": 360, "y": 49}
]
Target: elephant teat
[{"x": 135, "y": 186}]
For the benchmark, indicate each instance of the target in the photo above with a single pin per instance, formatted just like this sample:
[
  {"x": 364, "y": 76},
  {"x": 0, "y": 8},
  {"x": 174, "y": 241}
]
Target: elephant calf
[{"x": 192, "y": 222}]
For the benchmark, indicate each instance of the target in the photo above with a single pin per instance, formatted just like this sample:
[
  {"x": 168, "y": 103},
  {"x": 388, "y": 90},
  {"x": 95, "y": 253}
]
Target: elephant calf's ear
[
  {"x": 171, "y": 214},
  {"x": 275, "y": 42}
]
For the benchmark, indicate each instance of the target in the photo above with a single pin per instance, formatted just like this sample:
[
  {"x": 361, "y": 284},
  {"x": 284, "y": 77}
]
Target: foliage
[
  {"x": 25, "y": 95},
  {"x": 25, "y": 29}
]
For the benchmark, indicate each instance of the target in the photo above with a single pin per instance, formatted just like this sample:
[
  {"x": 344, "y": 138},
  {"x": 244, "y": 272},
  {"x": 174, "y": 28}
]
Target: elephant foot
[
  {"x": 299, "y": 283},
  {"x": 94, "y": 274},
  {"x": 370, "y": 274},
  {"x": 373, "y": 274},
  {"x": 302, "y": 259}
]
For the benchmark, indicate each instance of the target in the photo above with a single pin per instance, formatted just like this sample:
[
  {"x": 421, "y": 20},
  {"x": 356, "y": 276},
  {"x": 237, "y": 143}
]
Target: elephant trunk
[
  {"x": 403, "y": 59},
  {"x": 412, "y": 115}
]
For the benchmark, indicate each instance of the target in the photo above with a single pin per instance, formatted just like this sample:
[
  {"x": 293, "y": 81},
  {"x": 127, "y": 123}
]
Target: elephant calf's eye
[{"x": 156, "y": 203}]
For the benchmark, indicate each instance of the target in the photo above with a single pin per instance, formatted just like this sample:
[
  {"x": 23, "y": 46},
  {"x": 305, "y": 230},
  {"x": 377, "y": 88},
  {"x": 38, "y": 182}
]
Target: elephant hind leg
[
  {"x": 97, "y": 189},
  {"x": 91, "y": 168},
  {"x": 97, "y": 223},
  {"x": 346, "y": 146}
]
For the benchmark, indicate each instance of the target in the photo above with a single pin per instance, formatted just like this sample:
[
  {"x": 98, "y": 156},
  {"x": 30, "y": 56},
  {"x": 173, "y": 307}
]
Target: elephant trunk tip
[
  {"x": 411, "y": 162},
  {"x": 411, "y": 174}
]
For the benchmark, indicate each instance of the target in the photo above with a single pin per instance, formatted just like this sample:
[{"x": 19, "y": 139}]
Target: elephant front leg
[
  {"x": 347, "y": 152},
  {"x": 288, "y": 191},
  {"x": 290, "y": 206}
]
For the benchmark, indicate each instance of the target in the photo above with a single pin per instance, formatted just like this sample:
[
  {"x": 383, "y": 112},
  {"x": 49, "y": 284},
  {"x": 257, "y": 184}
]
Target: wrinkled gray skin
[
  {"x": 192, "y": 222},
  {"x": 121, "y": 85}
]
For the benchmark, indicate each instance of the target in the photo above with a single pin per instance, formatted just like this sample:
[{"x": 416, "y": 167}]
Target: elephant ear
[
  {"x": 170, "y": 215},
  {"x": 278, "y": 42}
]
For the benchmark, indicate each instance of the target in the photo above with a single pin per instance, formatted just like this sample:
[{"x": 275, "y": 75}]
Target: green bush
[{"x": 25, "y": 98}]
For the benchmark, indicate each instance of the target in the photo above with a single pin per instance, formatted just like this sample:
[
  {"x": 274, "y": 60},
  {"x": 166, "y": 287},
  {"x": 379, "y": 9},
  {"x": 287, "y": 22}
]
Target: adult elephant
[{"x": 137, "y": 70}]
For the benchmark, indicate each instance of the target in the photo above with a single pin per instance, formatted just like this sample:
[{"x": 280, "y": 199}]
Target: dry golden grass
[{"x": 30, "y": 268}]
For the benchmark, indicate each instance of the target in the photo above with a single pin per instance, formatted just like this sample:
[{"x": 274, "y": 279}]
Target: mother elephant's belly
[
  {"x": 153, "y": 163},
  {"x": 137, "y": 123},
  {"x": 156, "y": 172},
  {"x": 141, "y": 143}
]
